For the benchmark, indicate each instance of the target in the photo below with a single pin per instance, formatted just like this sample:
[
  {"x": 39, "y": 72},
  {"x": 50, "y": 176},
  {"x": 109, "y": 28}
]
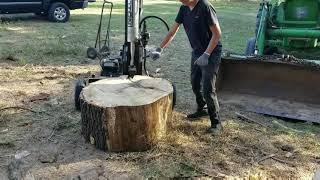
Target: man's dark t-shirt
[{"x": 196, "y": 23}]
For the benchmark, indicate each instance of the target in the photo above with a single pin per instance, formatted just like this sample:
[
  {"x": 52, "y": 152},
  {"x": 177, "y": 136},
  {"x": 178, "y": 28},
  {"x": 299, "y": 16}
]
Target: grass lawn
[
  {"x": 67, "y": 43},
  {"x": 40, "y": 61}
]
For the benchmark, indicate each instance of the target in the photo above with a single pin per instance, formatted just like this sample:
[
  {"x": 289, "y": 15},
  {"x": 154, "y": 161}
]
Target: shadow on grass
[{"x": 11, "y": 18}]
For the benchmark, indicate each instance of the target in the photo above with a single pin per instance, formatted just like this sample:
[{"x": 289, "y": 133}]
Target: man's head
[{"x": 189, "y": 2}]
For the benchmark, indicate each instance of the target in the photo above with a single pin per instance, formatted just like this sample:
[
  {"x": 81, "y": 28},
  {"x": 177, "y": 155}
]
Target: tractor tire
[
  {"x": 80, "y": 84},
  {"x": 59, "y": 12},
  {"x": 250, "y": 46}
]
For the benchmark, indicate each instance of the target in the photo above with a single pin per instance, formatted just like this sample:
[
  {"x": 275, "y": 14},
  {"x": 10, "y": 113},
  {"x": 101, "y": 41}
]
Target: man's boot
[
  {"x": 216, "y": 127},
  {"x": 199, "y": 113}
]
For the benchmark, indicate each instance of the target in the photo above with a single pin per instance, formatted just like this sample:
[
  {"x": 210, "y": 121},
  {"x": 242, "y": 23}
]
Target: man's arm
[
  {"x": 216, "y": 35},
  {"x": 171, "y": 34},
  {"x": 166, "y": 41}
]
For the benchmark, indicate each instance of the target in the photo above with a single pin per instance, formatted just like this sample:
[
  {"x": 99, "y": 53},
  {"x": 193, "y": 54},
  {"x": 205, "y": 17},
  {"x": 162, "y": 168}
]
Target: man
[{"x": 202, "y": 28}]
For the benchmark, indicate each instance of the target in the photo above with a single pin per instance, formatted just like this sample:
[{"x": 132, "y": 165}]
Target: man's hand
[
  {"x": 202, "y": 60},
  {"x": 155, "y": 55}
]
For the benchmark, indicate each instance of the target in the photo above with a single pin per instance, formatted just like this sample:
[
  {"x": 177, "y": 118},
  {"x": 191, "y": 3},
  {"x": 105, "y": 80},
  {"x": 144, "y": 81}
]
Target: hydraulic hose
[{"x": 140, "y": 24}]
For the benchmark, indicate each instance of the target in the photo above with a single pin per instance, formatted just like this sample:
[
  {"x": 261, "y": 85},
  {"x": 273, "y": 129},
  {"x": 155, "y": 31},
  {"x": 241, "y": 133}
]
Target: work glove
[
  {"x": 202, "y": 60},
  {"x": 155, "y": 55}
]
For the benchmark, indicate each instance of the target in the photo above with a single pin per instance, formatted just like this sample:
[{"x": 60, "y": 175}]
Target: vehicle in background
[{"x": 55, "y": 10}]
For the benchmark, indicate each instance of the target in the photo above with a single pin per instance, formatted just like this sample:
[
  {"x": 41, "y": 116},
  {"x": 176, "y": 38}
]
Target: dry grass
[{"x": 186, "y": 151}]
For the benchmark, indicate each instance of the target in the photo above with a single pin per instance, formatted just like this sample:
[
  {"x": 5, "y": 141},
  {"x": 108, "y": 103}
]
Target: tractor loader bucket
[{"x": 272, "y": 86}]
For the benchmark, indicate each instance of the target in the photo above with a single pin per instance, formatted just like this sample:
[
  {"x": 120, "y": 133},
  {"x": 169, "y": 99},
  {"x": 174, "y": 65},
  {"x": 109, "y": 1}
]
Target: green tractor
[
  {"x": 287, "y": 27},
  {"x": 279, "y": 75}
]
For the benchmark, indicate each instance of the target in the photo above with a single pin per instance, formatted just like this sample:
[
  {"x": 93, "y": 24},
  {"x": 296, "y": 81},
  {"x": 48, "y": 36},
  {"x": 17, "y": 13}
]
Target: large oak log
[{"x": 120, "y": 114}]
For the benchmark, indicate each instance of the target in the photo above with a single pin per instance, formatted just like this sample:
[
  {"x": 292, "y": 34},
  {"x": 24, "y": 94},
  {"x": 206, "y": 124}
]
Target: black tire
[
  {"x": 59, "y": 12},
  {"x": 80, "y": 84},
  {"x": 92, "y": 53},
  {"x": 174, "y": 96},
  {"x": 250, "y": 46}
]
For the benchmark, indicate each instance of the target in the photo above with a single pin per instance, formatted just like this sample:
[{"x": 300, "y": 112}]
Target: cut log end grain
[{"x": 120, "y": 114}]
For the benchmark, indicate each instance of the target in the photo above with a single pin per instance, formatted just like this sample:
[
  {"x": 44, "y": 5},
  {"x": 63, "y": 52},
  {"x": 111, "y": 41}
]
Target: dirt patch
[{"x": 46, "y": 124}]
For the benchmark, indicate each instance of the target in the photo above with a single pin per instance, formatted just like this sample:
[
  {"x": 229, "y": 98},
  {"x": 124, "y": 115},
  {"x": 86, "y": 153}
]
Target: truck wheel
[{"x": 59, "y": 12}]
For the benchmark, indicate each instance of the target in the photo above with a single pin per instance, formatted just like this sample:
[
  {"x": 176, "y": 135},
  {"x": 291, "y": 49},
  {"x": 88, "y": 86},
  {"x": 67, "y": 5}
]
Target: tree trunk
[{"x": 120, "y": 114}]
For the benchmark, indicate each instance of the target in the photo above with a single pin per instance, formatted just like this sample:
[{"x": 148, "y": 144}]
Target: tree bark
[{"x": 120, "y": 114}]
